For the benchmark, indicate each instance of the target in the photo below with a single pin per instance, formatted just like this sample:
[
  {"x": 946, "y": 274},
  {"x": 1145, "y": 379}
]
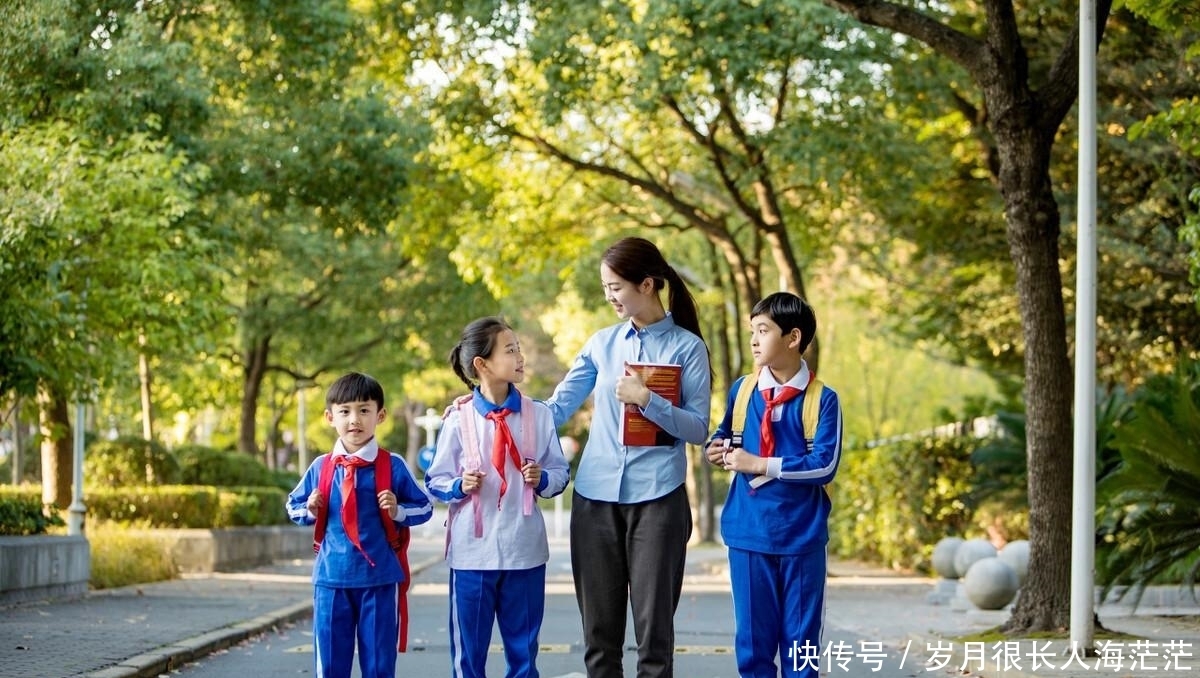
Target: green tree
[
  {"x": 667, "y": 120},
  {"x": 95, "y": 200}
]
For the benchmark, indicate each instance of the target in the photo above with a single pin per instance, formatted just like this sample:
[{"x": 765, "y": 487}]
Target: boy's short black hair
[
  {"x": 354, "y": 387},
  {"x": 790, "y": 312}
]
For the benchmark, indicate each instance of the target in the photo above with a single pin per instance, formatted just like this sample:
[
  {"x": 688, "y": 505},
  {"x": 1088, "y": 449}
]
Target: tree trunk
[
  {"x": 144, "y": 378},
  {"x": 255, "y": 370},
  {"x": 792, "y": 280},
  {"x": 1033, "y": 232},
  {"x": 415, "y": 439},
  {"x": 57, "y": 459}
]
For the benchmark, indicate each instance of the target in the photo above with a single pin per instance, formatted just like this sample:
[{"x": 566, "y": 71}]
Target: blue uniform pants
[
  {"x": 778, "y": 609},
  {"x": 345, "y": 618},
  {"x": 513, "y": 599}
]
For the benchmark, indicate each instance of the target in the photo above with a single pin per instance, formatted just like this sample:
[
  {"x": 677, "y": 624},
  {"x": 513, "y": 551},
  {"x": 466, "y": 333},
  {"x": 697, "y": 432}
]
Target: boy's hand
[
  {"x": 737, "y": 459},
  {"x": 471, "y": 480},
  {"x": 387, "y": 500},
  {"x": 531, "y": 472},
  {"x": 315, "y": 502},
  {"x": 715, "y": 452}
]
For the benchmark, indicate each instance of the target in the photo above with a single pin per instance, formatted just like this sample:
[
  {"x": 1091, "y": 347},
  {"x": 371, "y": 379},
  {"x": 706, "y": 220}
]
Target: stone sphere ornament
[
  {"x": 943, "y": 557},
  {"x": 1015, "y": 554},
  {"x": 970, "y": 551},
  {"x": 990, "y": 583}
]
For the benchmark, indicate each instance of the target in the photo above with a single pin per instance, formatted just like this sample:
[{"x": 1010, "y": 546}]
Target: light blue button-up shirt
[{"x": 608, "y": 470}]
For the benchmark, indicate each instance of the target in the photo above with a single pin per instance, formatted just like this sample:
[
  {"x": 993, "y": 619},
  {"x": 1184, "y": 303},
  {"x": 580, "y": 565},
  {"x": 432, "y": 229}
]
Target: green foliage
[
  {"x": 1149, "y": 524},
  {"x": 200, "y": 465},
  {"x": 122, "y": 558},
  {"x": 21, "y": 511},
  {"x": 892, "y": 503},
  {"x": 188, "y": 506},
  {"x": 129, "y": 460},
  {"x": 1001, "y": 471}
]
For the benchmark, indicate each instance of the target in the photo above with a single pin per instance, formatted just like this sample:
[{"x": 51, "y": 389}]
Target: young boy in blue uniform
[
  {"x": 776, "y": 515},
  {"x": 357, "y": 573}
]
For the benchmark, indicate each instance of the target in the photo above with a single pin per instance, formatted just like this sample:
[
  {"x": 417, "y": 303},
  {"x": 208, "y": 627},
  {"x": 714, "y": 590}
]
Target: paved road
[{"x": 704, "y": 629}]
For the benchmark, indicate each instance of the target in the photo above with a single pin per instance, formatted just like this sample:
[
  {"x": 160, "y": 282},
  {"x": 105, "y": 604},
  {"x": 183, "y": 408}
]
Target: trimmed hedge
[
  {"x": 21, "y": 511},
  {"x": 188, "y": 506}
]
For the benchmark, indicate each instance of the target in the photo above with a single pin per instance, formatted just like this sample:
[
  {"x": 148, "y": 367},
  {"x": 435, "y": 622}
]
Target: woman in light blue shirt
[{"x": 630, "y": 516}]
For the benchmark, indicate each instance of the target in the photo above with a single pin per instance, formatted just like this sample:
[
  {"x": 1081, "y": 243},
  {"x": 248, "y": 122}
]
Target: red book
[{"x": 665, "y": 379}]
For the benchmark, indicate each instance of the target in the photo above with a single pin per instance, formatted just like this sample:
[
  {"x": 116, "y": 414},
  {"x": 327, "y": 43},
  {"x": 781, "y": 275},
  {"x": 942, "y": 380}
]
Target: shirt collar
[
  {"x": 367, "y": 452},
  {"x": 483, "y": 406},
  {"x": 800, "y": 380},
  {"x": 661, "y": 327}
]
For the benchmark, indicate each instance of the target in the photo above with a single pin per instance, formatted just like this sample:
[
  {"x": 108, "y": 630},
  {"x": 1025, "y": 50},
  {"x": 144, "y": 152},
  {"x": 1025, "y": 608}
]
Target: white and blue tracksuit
[
  {"x": 355, "y": 601},
  {"x": 776, "y": 533},
  {"x": 496, "y": 551}
]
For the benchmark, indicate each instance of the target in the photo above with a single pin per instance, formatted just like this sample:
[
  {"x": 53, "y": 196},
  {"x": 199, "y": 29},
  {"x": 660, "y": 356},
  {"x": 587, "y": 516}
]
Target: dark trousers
[{"x": 619, "y": 551}]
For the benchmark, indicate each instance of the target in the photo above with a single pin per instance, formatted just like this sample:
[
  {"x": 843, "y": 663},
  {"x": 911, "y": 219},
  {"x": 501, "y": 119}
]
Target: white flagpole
[{"x": 1083, "y": 528}]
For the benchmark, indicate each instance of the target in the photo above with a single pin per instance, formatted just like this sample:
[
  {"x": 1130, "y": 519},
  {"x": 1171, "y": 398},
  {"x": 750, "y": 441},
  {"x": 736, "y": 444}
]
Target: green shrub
[
  {"x": 129, "y": 460},
  {"x": 21, "y": 512},
  {"x": 199, "y": 465},
  {"x": 1149, "y": 523},
  {"x": 121, "y": 558},
  {"x": 244, "y": 506},
  {"x": 893, "y": 503},
  {"x": 188, "y": 506}
]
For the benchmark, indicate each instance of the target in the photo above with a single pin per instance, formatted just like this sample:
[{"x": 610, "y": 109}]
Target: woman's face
[{"x": 627, "y": 299}]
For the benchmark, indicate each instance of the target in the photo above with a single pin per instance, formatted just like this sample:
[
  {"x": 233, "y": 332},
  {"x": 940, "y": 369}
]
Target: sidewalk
[{"x": 144, "y": 631}]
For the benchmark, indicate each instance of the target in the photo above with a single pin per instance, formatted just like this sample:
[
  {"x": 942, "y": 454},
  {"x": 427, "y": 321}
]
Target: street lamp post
[
  {"x": 431, "y": 422},
  {"x": 77, "y": 510},
  {"x": 302, "y": 423}
]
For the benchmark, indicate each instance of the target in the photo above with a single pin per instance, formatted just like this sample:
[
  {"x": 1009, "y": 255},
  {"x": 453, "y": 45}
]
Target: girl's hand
[
  {"x": 315, "y": 502},
  {"x": 531, "y": 472},
  {"x": 471, "y": 481}
]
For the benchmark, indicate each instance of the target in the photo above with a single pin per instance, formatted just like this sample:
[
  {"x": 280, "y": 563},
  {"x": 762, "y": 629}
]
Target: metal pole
[
  {"x": 1083, "y": 526},
  {"x": 76, "y": 511}
]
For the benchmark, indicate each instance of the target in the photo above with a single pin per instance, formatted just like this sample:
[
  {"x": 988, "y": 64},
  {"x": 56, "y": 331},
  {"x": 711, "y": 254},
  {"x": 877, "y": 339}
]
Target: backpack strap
[
  {"x": 740, "y": 403},
  {"x": 397, "y": 538},
  {"x": 472, "y": 461},
  {"x": 324, "y": 486},
  {"x": 810, "y": 416},
  {"x": 529, "y": 447},
  {"x": 812, "y": 411}
]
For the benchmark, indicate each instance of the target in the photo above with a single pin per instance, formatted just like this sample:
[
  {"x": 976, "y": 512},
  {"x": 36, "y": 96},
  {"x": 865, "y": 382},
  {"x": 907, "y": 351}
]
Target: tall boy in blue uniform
[
  {"x": 357, "y": 573},
  {"x": 776, "y": 515}
]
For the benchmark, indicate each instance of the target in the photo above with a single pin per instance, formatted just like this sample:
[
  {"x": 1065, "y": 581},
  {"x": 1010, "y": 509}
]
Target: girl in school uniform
[{"x": 496, "y": 451}]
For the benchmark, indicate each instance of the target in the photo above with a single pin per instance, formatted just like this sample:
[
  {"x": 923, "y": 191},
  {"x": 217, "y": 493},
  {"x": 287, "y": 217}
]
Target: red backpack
[{"x": 397, "y": 537}]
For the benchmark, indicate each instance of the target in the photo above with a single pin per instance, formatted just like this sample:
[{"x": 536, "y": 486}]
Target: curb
[{"x": 174, "y": 656}]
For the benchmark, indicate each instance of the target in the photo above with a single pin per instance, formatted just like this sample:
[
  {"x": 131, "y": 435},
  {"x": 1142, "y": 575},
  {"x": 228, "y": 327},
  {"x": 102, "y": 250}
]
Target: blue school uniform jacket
[{"x": 789, "y": 515}]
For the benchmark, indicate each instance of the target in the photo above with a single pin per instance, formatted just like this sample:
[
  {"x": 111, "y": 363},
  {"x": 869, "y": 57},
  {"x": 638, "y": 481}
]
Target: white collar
[
  {"x": 767, "y": 380},
  {"x": 367, "y": 452}
]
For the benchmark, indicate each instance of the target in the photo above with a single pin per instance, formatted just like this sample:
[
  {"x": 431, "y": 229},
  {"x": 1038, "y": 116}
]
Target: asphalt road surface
[{"x": 704, "y": 627}]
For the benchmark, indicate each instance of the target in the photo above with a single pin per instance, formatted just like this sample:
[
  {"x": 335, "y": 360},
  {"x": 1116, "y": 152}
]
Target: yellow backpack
[{"x": 809, "y": 417}]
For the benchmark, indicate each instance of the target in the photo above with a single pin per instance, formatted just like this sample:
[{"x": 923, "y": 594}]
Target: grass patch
[{"x": 120, "y": 558}]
